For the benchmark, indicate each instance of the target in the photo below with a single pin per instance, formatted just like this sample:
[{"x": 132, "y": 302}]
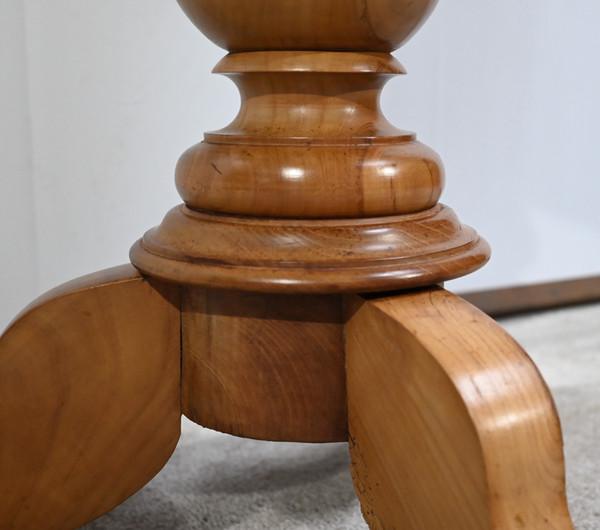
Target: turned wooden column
[
  {"x": 308, "y": 194},
  {"x": 310, "y": 188}
]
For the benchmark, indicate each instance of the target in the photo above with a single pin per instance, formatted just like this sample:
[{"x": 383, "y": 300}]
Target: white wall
[
  {"x": 18, "y": 278},
  {"x": 508, "y": 94},
  {"x": 98, "y": 99}
]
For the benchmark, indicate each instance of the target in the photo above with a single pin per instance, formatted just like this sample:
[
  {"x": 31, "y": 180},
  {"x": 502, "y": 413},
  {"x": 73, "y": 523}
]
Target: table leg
[
  {"x": 89, "y": 399},
  {"x": 450, "y": 423}
]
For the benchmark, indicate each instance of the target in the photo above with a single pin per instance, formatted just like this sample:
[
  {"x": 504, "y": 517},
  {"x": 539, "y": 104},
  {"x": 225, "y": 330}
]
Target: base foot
[
  {"x": 451, "y": 425},
  {"x": 89, "y": 399},
  {"x": 308, "y": 255}
]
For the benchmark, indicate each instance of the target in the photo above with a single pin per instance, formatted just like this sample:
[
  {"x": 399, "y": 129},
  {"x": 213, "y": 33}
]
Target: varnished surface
[
  {"x": 264, "y": 366},
  {"x": 288, "y": 61},
  {"x": 89, "y": 399},
  {"x": 457, "y": 430},
  {"x": 310, "y": 188},
  {"x": 379, "y": 25},
  {"x": 310, "y": 141},
  {"x": 276, "y": 255}
]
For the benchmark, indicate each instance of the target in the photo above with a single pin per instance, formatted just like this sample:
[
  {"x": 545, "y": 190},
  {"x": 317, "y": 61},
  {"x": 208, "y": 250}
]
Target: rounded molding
[{"x": 324, "y": 256}]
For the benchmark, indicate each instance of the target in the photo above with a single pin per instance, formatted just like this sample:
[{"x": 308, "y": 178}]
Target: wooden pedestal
[{"x": 295, "y": 296}]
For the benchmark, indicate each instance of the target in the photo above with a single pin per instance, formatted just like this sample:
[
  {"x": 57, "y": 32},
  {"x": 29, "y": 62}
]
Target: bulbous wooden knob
[
  {"x": 310, "y": 142},
  {"x": 358, "y": 25}
]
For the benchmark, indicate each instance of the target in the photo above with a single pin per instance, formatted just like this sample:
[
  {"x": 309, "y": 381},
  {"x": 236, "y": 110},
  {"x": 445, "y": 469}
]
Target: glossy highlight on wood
[
  {"x": 310, "y": 188},
  {"x": 309, "y": 129},
  {"x": 326, "y": 256},
  {"x": 458, "y": 429},
  {"x": 246, "y": 317},
  {"x": 242, "y": 25},
  {"x": 89, "y": 399}
]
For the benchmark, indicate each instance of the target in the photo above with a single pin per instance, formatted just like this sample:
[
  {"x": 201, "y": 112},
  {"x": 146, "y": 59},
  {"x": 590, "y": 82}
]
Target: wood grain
[
  {"x": 320, "y": 256},
  {"x": 309, "y": 129},
  {"x": 309, "y": 192},
  {"x": 264, "y": 366},
  {"x": 89, "y": 399},
  {"x": 457, "y": 429},
  {"x": 310, "y": 189},
  {"x": 237, "y": 25}
]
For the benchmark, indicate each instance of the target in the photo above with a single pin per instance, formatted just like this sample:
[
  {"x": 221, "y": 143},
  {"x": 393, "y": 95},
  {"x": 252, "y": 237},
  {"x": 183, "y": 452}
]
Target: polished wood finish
[
  {"x": 239, "y": 25},
  {"x": 89, "y": 399},
  {"x": 249, "y": 324},
  {"x": 328, "y": 256},
  {"x": 525, "y": 298},
  {"x": 264, "y": 366},
  {"x": 457, "y": 429},
  {"x": 309, "y": 129},
  {"x": 310, "y": 188}
]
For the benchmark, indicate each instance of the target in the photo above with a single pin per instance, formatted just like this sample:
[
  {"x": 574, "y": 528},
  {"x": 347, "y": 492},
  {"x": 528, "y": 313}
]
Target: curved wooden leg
[
  {"x": 89, "y": 399},
  {"x": 451, "y": 425}
]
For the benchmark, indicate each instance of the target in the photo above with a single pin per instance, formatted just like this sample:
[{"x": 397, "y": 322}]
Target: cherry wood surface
[
  {"x": 237, "y": 25},
  {"x": 309, "y": 189},
  {"x": 246, "y": 318},
  {"x": 309, "y": 129},
  {"x": 325, "y": 256},
  {"x": 89, "y": 399},
  {"x": 264, "y": 366},
  {"x": 451, "y": 425}
]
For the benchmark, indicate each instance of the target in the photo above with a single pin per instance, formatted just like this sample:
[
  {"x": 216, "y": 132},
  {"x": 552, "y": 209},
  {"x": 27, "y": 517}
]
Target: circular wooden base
[{"x": 324, "y": 256}]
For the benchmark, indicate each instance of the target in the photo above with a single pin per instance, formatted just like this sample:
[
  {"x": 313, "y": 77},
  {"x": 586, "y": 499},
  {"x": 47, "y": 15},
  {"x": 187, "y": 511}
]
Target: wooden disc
[{"x": 314, "y": 256}]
